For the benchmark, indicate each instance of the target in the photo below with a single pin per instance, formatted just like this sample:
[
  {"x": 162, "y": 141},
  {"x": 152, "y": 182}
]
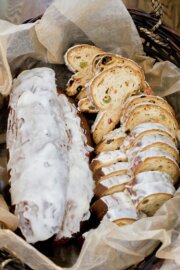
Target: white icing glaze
[
  {"x": 147, "y": 141},
  {"x": 81, "y": 184},
  {"x": 143, "y": 128},
  {"x": 114, "y": 134},
  {"x": 96, "y": 122},
  {"x": 111, "y": 156},
  {"x": 152, "y": 176},
  {"x": 51, "y": 183},
  {"x": 119, "y": 212},
  {"x": 118, "y": 198},
  {"x": 115, "y": 181},
  {"x": 156, "y": 183},
  {"x": 38, "y": 164},
  {"x": 115, "y": 167},
  {"x": 152, "y": 152}
]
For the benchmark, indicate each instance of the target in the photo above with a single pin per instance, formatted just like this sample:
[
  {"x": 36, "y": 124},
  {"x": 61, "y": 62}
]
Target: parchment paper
[{"x": 108, "y": 25}]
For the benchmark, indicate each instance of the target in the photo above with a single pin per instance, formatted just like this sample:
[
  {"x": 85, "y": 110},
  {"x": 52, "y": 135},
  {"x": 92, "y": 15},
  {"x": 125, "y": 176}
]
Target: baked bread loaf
[
  {"x": 110, "y": 88},
  {"x": 112, "y": 185},
  {"x": 111, "y": 141},
  {"x": 107, "y": 172},
  {"x": 150, "y": 190},
  {"x": 105, "y": 122},
  {"x": 132, "y": 101},
  {"x": 149, "y": 113},
  {"x": 146, "y": 129},
  {"x": 79, "y": 57},
  {"x": 85, "y": 105},
  {"x": 118, "y": 208},
  {"x": 48, "y": 159},
  {"x": 154, "y": 140},
  {"x": 107, "y": 158},
  {"x": 36, "y": 141},
  {"x": 155, "y": 159}
]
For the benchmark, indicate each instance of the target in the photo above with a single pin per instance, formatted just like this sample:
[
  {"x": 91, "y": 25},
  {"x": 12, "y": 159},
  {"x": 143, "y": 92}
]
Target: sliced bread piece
[
  {"x": 105, "y": 122},
  {"x": 110, "y": 88},
  {"x": 150, "y": 190},
  {"x": 82, "y": 94},
  {"x": 145, "y": 129},
  {"x": 132, "y": 101},
  {"x": 107, "y": 158},
  {"x": 155, "y": 159},
  {"x": 115, "y": 169},
  {"x": 154, "y": 140},
  {"x": 85, "y": 105},
  {"x": 79, "y": 57},
  {"x": 148, "y": 112},
  {"x": 111, "y": 141},
  {"x": 117, "y": 206},
  {"x": 105, "y": 61},
  {"x": 77, "y": 82},
  {"x": 112, "y": 185}
]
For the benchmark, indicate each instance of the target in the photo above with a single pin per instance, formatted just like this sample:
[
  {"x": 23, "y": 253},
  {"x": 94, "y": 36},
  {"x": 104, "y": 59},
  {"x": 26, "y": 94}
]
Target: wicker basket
[{"x": 160, "y": 42}]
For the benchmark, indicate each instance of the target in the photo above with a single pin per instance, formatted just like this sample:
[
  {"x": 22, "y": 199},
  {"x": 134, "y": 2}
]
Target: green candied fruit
[
  {"x": 91, "y": 107},
  {"x": 106, "y": 99},
  {"x": 142, "y": 90},
  {"x": 83, "y": 64}
]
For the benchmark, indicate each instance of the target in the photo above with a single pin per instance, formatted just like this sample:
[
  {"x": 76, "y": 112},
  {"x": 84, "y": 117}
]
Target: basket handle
[{"x": 158, "y": 10}]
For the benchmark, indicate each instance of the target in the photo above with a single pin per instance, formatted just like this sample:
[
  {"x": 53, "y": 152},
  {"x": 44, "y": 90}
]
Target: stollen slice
[
  {"x": 111, "y": 141},
  {"x": 150, "y": 190},
  {"x": 82, "y": 94},
  {"x": 77, "y": 82},
  {"x": 112, "y": 185},
  {"x": 115, "y": 169},
  {"x": 105, "y": 122},
  {"x": 107, "y": 158},
  {"x": 149, "y": 113},
  {"x": 154, "y": 140},
  {"x": 110, "y": 88},
  {"x": 155, "y": 159},
  {"x": 133, "y": 100},
  {"x": 85, "y": 105},
  {"x": 105, "y": 61},
  {"x": 146, "y": 129},
  {"x": 117, "y": 207},
  {"x": 79, "y": 57}
]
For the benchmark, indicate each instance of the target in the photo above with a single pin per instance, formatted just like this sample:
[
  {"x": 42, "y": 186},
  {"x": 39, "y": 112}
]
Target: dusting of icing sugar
[
  {"x": 114, "y": 134},
  {"x": 142, "y": 128},
  {"x": 37, "y": 142},
  {"x": 115, "y": 167},
  {"x": 110, "y": 156},
  {"x": 116, "y": 180},
  {"x": 81, "y": 184},
  {"x": 149, "y": 183}
]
